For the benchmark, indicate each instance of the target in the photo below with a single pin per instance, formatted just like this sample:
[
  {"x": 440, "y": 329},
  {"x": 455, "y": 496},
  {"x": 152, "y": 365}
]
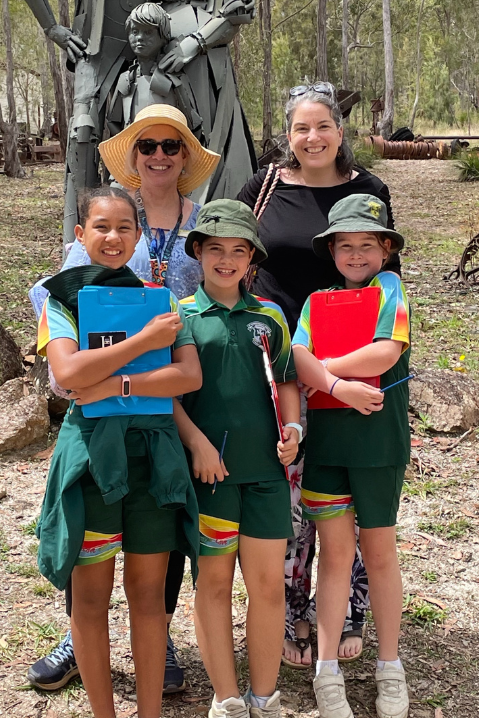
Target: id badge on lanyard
[{"x": 158, "y": 263}]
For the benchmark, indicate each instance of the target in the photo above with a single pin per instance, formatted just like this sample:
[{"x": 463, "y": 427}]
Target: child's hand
[
  {"x": 308, "y": 391},
  {"x": 97, "y": 392},
  {"x": 359, "y": 395},
  {"x": 161, "y": 331},
  {"x": 206, "y": 463},
  {"x": 288, "y": 448}
]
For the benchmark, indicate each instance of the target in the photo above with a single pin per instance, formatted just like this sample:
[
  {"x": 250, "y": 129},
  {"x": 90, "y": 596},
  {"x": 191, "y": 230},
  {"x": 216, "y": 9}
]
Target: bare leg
[
  {"x": 338, "y": 544},
  {"x": 262, "y": 563},
  {"x": 213, "y": 622},
  {"x": 91, "y": 589},
  {"x": 145, "y": 590},
  {"x": 378, "y": 547}
]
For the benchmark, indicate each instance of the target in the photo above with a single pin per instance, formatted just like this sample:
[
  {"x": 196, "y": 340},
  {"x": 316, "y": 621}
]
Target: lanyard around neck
[{"x": 159, "y": 254}]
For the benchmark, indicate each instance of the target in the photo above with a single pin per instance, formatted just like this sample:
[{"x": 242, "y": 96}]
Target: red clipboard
[{"x": 342, "y": 321}]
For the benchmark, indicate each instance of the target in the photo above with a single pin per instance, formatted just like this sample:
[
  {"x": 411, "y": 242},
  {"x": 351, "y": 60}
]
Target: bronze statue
[{"x": 98, "y": 51}]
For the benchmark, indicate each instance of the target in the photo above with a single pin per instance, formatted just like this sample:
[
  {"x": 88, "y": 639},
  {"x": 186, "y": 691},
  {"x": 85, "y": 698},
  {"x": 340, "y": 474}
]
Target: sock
[
  {"x": 333, "y": 665},
  {"x": 397, "y": 664},
  {"x": 258, "y": 701}
]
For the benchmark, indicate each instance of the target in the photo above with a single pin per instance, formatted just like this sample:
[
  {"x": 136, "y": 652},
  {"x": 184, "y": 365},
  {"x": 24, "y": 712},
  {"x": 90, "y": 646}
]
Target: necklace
[{"x": 159, "y": 253}]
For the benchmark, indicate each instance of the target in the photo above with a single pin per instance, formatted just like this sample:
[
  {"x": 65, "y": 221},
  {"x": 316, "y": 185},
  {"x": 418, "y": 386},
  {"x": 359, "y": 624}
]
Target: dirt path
[{"x": 438, "y": 533}]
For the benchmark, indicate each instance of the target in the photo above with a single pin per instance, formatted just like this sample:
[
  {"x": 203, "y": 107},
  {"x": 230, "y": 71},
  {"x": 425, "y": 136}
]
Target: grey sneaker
[
  {"x": 331, "y": 695},
  {"x": 272, "y": 708},
  {"x": 231, "y": 708},
  {"x": 393, "y": 699}
]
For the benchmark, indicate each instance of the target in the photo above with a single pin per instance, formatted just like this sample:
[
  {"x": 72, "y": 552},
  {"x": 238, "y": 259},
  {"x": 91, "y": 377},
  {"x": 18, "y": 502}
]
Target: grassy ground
[{"x": 438, "y": 532}]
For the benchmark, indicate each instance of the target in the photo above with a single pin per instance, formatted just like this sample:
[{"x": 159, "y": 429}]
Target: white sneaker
[
  {"x": 272, "y": 708},
  {"x": 331, "y": 695},
  {"x": 230, "y": 708},
  {"x": 393, "y": 699}
]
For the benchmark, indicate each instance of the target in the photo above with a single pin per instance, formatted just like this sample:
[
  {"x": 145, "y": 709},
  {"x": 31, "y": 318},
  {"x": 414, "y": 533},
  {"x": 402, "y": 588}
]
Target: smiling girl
[
  {"x": 116, "y": 482},
  {"x": 355, "y": 462}
]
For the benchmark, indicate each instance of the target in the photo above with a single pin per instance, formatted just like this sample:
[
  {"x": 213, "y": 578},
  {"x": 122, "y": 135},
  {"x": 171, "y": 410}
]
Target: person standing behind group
[
  {"x": 292, "y": 202},
  {"x": 160, "y": 159}
]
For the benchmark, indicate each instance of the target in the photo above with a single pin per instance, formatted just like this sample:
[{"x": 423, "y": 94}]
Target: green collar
[
  {"x": 204, "y": 302},
  {"x": 65, "y": 285}
]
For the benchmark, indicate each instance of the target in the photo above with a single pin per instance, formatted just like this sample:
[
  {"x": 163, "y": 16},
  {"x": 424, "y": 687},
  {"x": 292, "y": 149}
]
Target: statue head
[{"x": 148, "y": 29}]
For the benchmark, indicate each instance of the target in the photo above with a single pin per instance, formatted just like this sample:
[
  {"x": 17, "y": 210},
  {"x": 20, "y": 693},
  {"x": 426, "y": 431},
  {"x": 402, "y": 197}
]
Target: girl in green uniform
[
  {"x": 355, "y": 460},
  {"x": 115, "y": 482},
  {"x": 248, "y": 511}
]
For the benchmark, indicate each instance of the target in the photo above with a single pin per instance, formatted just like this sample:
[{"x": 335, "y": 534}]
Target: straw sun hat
[{"x": 118, "y": 152}]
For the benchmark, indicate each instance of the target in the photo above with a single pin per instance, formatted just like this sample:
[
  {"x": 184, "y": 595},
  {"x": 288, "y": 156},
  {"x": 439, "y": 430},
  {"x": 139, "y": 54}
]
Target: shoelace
[
  {"x": 63, "y": 652},
  {"x": 171, "y": 652}
]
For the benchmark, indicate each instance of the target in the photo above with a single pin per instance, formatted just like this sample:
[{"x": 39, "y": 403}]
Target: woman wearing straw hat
[{"x": 160, "y": 161}]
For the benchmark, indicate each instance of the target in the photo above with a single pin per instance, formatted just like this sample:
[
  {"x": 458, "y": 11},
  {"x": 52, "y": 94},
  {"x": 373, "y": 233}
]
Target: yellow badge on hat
[{"x": 375, "y": 209}]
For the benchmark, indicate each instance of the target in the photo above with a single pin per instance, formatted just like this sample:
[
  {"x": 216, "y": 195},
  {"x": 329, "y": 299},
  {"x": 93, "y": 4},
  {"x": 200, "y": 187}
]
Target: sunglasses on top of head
[
  {"x": 322, "y": 88},
  {"x": 169, "y": 147}
]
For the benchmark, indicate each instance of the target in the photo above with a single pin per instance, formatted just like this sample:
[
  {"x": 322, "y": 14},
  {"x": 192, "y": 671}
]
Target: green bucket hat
[
  {"x": 357, "y": 213},
  {"x": 226, "y": 218}
]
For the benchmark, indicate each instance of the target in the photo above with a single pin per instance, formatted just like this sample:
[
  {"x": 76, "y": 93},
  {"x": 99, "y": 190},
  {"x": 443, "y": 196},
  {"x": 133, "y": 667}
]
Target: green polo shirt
[
  {"x": 344, "y": 437},
  {"x": 235, "y": 395}
]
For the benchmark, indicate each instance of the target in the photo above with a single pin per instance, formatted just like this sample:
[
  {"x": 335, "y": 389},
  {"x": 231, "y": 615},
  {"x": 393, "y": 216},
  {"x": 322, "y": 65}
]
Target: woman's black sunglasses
[
  {"x": 169, "y": 147},
  {"x": 323, "y": 88}
]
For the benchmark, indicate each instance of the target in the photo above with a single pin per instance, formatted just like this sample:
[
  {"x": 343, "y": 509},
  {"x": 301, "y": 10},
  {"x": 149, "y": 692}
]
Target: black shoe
[
  {"x": 174, "y": 677},
  {"x": 55, "y": 670}
]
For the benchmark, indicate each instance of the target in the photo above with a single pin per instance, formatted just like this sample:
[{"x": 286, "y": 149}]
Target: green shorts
[
  {"x": 260, "y": 510},
  {"x": 134, "y": 524},
  {"x": 373, "y": 493}
]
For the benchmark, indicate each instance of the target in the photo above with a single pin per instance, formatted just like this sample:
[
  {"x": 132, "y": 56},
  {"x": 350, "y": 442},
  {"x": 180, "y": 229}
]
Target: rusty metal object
[
  {"x": 467, "y": 270},
  {"x": 421, "y": 150}
]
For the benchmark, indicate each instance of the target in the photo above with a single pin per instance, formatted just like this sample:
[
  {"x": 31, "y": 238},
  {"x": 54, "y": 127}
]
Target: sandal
[
  {"x": 355, "y": 632},
  {"x": 301, "y": 644}
]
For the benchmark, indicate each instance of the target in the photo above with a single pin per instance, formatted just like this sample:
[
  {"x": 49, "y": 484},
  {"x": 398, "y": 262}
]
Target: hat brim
[
  {"x": 321, "y": 241},
  {"x": 199, "y": 166},
  {"x": 227, "y": 229}
]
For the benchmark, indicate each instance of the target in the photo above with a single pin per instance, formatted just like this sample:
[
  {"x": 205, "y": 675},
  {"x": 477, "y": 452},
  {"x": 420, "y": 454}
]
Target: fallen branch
[{"x": 458, "y": 441}]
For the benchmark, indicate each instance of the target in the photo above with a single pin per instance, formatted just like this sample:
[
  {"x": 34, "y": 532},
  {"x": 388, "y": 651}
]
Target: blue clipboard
[{"x": 108, "y": 315}]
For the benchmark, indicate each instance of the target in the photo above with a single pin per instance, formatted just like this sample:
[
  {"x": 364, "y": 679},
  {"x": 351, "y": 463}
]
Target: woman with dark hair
[{"x": 292, "y": 201}]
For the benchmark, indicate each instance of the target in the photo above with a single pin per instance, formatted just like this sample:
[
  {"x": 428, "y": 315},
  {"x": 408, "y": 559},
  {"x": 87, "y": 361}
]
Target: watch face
[{"x": 126, "y": 387}]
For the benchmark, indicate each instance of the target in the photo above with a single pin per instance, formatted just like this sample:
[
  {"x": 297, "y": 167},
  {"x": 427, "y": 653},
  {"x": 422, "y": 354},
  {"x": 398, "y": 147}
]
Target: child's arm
[
  {"x": 180, "y": 377},
  {"x": 205, "y": 458},
  {"x": 74, "y": 369},
  {"x": 372, "y": 360},
  {"x": 357, "y": 394},
  {"x": 289, "y": 403}
]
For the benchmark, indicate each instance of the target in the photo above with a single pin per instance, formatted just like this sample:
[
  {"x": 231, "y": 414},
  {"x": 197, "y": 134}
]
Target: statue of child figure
[{"x": 149, "y": 34}]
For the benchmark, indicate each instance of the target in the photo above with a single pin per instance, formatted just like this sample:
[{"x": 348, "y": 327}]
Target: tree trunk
[
  {"x": 265, "y": 19},
  {"x": 59, "y": 99},
  {"x": 386, "y": 124},
  {"x": 45, "y": 127},
  {"x": 418, "y": 66},
  {"x": 344, "y": 45},
  {"x": 321, "y": 44},
  {"x": 67, "y": 76},
  {"x": 12, "y": 164}
]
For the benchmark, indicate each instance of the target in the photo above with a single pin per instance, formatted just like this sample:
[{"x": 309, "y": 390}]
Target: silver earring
[{"x": 183, "y": 171}]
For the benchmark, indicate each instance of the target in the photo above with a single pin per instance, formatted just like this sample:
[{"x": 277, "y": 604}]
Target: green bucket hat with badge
[
  {"x": 226, "y": 218},
  {"x": 357, "y": 213}
]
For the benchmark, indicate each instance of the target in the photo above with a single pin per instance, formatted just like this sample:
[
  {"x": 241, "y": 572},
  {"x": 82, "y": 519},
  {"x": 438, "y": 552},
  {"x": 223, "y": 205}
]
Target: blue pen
[
  {"x": 406, "y": 378},
  {"x": 220, "y": 458}
]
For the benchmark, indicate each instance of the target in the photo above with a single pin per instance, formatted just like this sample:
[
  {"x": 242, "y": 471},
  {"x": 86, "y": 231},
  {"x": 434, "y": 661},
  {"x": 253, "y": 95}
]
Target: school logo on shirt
[{"x": 258, "y": 329}]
